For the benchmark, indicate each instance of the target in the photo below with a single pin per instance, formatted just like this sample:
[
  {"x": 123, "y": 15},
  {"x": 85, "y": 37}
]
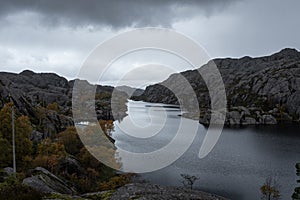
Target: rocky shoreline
[
  {"x": 242, "y": 116},
  {"x": 149, "y": 191},
  {"x": 52, "y": 187},
  {"x": 260, "y": 91}
]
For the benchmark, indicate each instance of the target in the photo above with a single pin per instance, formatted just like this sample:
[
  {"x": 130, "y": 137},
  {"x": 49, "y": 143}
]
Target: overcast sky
[{"x": 57, "y": 35}]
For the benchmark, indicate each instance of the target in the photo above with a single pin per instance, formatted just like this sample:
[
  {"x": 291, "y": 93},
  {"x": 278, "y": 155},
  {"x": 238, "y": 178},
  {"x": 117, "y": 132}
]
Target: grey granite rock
[
  {"x": 248, "y": 121},
  {"x": 70, "y": 165},
  {"x": 268, "y": 119},
  {"x": 44, "y": 181},
  {"x": 5, "y": 173},
  {"x": 29, "y": 90},
  {"x": 37, "y": 136},
  {"x": 265, "y": 83},
  {"x": 146, "y": 191}
]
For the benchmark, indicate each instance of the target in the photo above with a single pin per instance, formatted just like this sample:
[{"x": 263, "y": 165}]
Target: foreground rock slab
[
  {"x": 44, "y": 181},
  {"x": 145, "y": 191}
]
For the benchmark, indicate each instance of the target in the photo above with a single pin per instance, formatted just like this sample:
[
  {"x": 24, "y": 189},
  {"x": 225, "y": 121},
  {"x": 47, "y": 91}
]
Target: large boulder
[
  {"x": 44, "y": 181},
  {"x": 269, "y": 120},
  {"x": 37, "y": 136},
  {"x": 248, "y": 121},
  {"x": 5, "y": 173}
]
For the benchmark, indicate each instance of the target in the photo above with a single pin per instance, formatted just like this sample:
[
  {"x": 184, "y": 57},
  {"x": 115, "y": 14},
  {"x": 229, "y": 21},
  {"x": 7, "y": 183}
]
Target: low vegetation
[
  {"x": 12, "y": 189},
  {"x": 189, "y": 180},
  {"x": 62, "y": 154}
]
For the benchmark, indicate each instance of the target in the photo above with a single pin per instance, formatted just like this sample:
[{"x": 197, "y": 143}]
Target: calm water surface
[{"x": 237, "y": 166}]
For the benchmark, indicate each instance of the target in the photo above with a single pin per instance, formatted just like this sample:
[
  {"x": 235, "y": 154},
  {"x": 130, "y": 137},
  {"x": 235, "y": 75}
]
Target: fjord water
[{"x": 237, "y": 166}]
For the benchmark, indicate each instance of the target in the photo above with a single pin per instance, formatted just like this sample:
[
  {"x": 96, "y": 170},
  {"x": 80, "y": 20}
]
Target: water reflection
[{"x": 236, "y": 167}]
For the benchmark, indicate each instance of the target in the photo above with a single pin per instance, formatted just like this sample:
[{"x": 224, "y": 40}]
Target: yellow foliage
[
  {"x": 23, "y": 131},
  {"x": 48, "y": 155},
  {"x": 116, "y": 181},
  {"x": 53, "y": 106},
  {"x": 70, "y": 140}
]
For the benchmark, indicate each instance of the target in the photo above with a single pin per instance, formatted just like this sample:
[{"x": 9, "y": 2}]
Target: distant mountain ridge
[
  {"x": 263, "y": 90},
  {"x": 130, "y": 91}
]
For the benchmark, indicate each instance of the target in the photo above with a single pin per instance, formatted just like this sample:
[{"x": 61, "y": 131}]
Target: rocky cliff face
[
  {"x": 28, "y": 89},
  {"x": 264, "y": 90},
  {"x": 32, "y": 92}
]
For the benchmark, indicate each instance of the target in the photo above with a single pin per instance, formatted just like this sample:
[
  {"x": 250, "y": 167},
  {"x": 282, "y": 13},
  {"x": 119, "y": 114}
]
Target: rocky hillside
[
  {"x": 264, "y": 90},
  {"x": 33, "y": 92}
]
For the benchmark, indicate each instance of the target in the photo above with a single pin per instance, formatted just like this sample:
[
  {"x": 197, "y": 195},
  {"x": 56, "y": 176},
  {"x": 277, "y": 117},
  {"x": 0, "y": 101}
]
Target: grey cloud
[{"x": 116, "y": 14}]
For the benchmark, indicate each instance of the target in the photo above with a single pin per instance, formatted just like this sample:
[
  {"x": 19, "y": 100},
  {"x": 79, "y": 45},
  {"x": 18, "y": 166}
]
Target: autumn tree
[
  {"x": 95, "y": 171},
  {"x": 23, "y": 143},
  {"x": 188, "y": 180},
  {"x": 87, "y": 160},
  {"x": 107, "y": 126},
  {"x": 5, "y": 153},
  {"x": 49, "y": 154},
  {"x": 23, "y": 131},
  {"x": 5, "y": 119},
  {"x": 70, "y": 139},
  {"x": 100, "y": 145},
  {"x": 40, "y": 114},
  {"x": 270, "y": 189}
]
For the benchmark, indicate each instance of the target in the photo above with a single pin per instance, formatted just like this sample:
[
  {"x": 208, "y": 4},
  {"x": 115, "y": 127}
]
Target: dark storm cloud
[{"x": 112, "y": 13}]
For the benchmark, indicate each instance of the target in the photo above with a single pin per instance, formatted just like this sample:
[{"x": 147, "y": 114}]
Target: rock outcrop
[
  {"x": 5, "y": 173},
  {"x": 30, "y": 91},
  {"x": 44, "y": 181},
  {"x": 264, "y": 90},
  {"x": 150, "y": 191},
  {"x": 70, "y": 165},
  {"x": 145, "y": 191}
]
